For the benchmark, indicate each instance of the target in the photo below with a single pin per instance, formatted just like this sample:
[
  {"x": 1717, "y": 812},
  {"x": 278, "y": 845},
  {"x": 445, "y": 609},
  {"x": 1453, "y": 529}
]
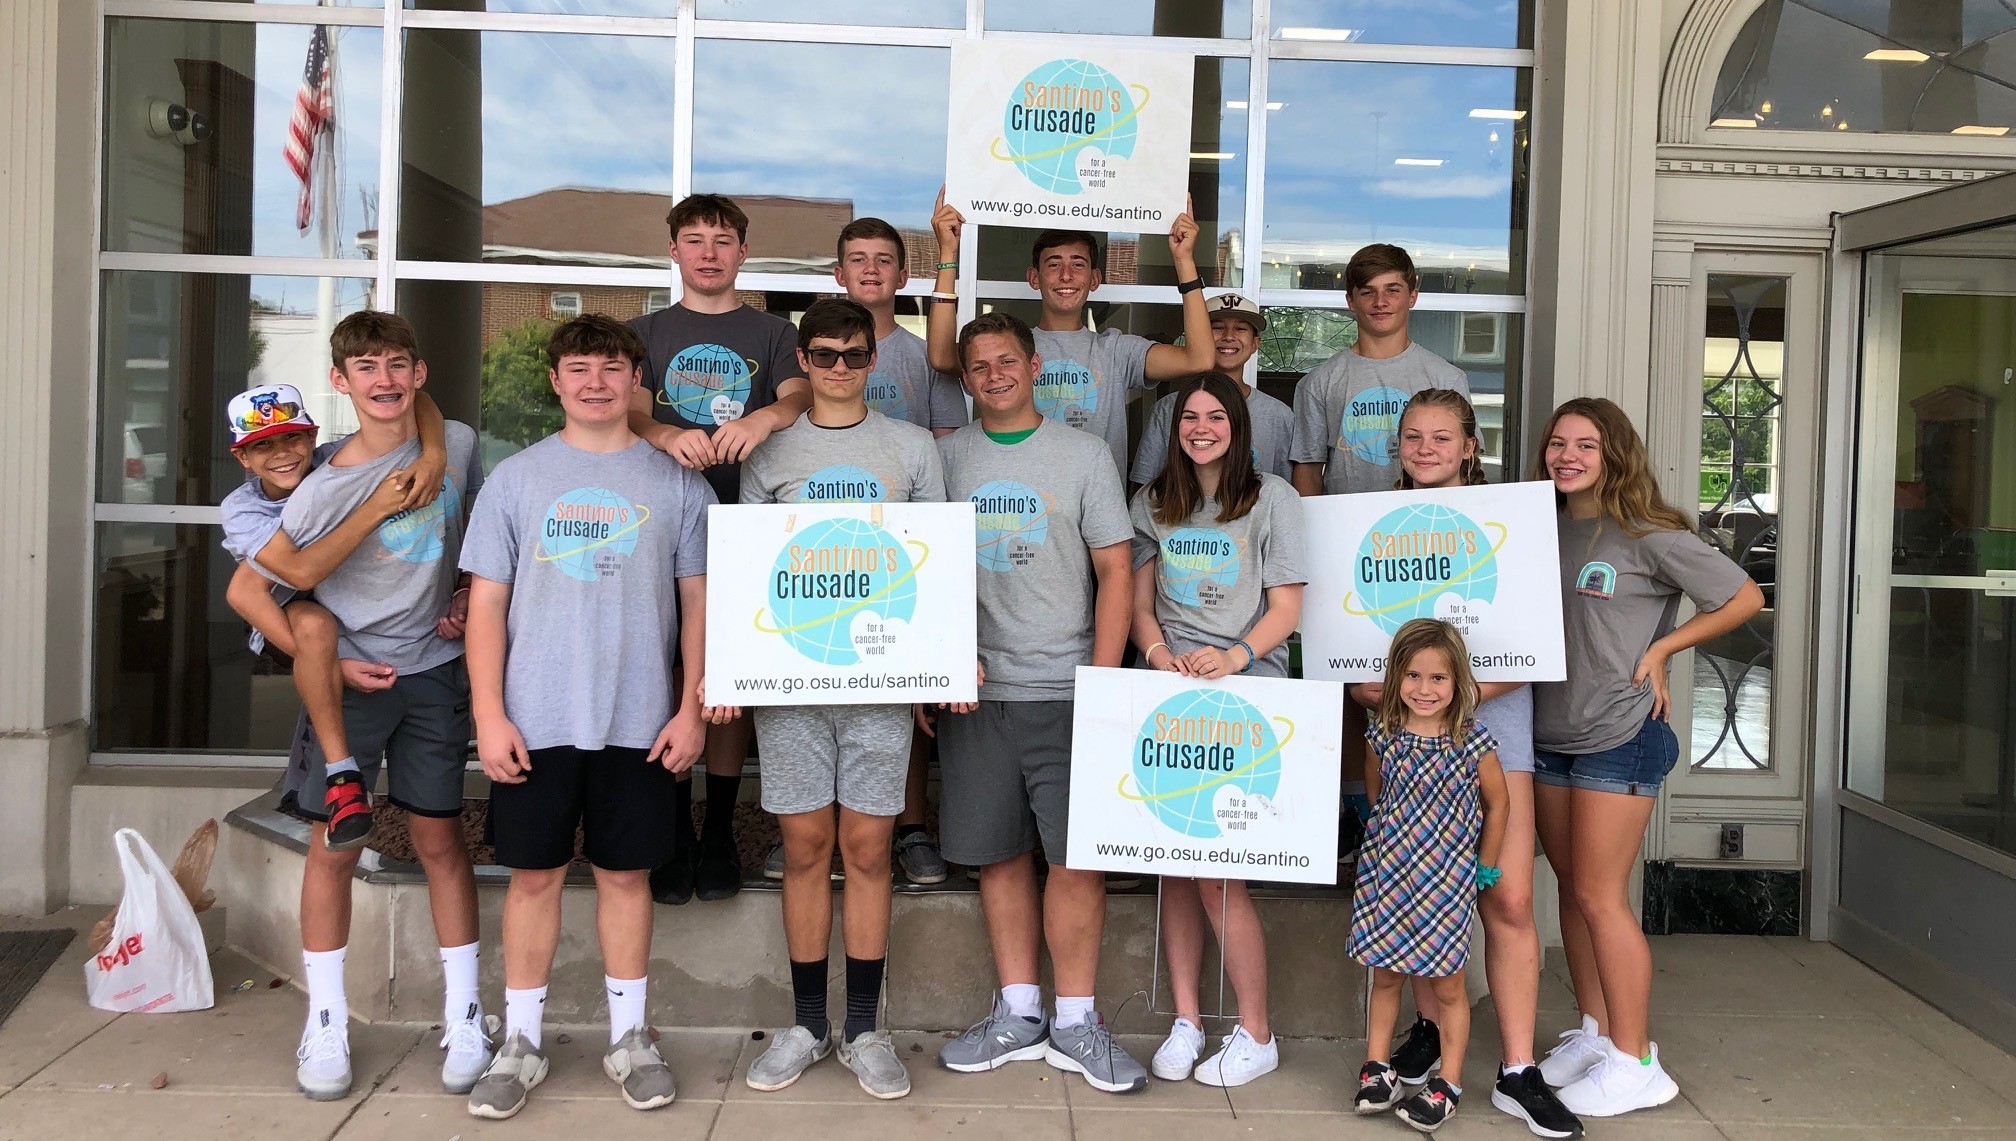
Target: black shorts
[{"x": 622, "y": 804}]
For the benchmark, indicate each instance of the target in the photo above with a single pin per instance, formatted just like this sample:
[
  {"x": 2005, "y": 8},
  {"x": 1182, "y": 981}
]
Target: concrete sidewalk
[{"x": 1767, "y": 1038}]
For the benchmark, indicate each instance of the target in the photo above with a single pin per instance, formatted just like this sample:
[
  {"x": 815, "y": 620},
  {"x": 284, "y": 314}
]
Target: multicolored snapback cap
[
  {"x": 267, "y": 410},
  {"x": 1237, "y": 306}
]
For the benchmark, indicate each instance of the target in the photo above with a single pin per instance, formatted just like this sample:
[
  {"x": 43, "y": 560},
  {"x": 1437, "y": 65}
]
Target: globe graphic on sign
[
  {"x": 1391, "y": 603},
  {"x": 821, "y": 627},
  {"x": 1049, "y": 158},
  {"x": 700, "y": 373},
  {"x": 1194, "y": 556},
  {"x": 1183, "y": 797},
  {"x": 1011, "y": 520},
  {"x": 586, "y": 524}
]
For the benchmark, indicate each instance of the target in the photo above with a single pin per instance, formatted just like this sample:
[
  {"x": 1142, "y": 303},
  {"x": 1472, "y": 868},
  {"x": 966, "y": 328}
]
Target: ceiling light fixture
[
  {"x": 1496, "y": 113},
  {"x": 1897, "y": 55},
  {"x": 1418, "y": 161}
]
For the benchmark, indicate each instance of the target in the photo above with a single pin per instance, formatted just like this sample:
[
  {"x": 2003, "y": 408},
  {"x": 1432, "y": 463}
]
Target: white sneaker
[
  {"x": 1240, "y": 1060},
  {"x": 466, "y": 1050},
  {"x": 1578, "y": 1052},
  {"x": 1178, "y": 1053},
  {"x": 324, "y": 1054},
  {"x": 1619, "y": 1084}
]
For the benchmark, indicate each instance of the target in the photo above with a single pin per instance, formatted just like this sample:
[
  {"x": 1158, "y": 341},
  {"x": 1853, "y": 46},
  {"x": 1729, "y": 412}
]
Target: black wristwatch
[{"x": 1190, "y": 286}]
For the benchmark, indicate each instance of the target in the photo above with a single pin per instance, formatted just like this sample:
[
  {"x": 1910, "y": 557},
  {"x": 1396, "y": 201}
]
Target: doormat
[{"x": 24, "y": 957}]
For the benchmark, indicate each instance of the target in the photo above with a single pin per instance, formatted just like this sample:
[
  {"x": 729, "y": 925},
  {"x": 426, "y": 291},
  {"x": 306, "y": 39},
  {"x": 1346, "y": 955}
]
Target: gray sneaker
[
  {"x": 1088, "y": 1048},
  {"x": 634, "y": 1063},
  {"x": 791, "y": 1053},
  {"x": 872, "y": 1057},
  {"x": 994, "y": 1041},
  {"x": 917, "y": 854},
  {"x": 773, "y": 863},
  {"x": 501, "y": 1092}
]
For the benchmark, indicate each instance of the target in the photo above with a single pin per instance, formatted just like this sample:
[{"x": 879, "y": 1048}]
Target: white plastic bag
[{"x": 156, "y": 961}]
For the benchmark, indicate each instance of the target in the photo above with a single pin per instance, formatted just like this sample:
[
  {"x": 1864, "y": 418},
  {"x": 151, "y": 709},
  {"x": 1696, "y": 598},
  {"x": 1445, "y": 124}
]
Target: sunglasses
[{"x": 827, "y": 358}]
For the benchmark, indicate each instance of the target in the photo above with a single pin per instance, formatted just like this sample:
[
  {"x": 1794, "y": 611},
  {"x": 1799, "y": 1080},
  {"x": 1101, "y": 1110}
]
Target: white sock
[
  {"x": 525, "y": 1013},
  {"x": 344, "y": 765},
  {"x": 460, "y": 998},
  {"x": 327, "y": 1004},
  {"x": 1025, "y": 1000},
  {"x": 1505, "y": 1070},
  {"x": 1072, "y": 1012},
  {"x": 626, "y": 1005}
]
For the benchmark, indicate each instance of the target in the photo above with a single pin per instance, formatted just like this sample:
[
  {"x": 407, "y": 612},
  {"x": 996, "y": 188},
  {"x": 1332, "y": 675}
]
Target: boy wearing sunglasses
[{"x": 854, "y": 755}]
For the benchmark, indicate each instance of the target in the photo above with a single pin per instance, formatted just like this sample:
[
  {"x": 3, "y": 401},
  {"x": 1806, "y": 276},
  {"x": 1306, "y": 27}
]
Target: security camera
[{"x": 167, "y": 120}]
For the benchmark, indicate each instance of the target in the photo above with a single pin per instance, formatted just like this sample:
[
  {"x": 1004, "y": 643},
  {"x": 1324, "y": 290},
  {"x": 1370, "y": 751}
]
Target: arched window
[{"x": 1905, "y": 66}]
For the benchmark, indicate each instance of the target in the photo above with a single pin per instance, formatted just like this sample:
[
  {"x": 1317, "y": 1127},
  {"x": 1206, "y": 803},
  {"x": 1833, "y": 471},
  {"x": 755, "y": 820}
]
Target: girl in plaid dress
[{"x": 1438, "y": 818}]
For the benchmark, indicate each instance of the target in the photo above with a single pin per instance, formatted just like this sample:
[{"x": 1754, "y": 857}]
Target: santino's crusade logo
[
  {"x": 843, "y": 591},
  {"x": 1425, "y": 560},
  {"x": 1069, "y": 126},
  {"x": 1207, "y": 762}
]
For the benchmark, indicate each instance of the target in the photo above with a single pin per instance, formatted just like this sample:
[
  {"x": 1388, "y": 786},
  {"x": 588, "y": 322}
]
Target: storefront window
[
  {"x": 1379, "y": 152},
  {"x": 198, "y": 121},
  {"x": 1207, "y": 18},
  {"x": 536, "y": 148},
  {"x": 1471, "y": 23},
  {"x": 900, "y": 13}
]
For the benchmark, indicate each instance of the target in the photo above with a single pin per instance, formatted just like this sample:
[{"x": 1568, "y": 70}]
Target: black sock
[
  {"x": 864, "y": 994},
  {"x": 903, "y": 830},
  {"x": 808, "y": 994},
  {"x": 718, "y": 826},
  {"x": 682, "y": 815}
]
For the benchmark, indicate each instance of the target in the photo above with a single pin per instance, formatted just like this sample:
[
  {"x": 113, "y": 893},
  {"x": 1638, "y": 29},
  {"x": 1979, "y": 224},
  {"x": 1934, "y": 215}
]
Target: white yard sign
[
  {"x": 840, "y": 604},
  {"x": 1233, "y": 779},
  {"x": 1485, "y": 559},
  {"x": 1078, "y": 137}
]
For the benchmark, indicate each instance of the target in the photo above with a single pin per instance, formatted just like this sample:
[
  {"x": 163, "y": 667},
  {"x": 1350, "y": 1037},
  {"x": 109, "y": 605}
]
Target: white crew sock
[
  {"x": 525, "y": 1013},
  {"x": 461, "y": 1000},
  {"x": 342, "y": 765},
  {"x": 626, "y": 1005},
  {"x": 1025, "y": 1000},
  {"x": 1072, "y": 1012},
  {"x": 327, "y": 1004}
]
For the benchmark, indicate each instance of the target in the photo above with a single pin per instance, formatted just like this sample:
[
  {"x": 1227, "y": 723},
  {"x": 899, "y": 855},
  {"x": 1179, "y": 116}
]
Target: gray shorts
[
  {"x": 1005, "y": 781},
  {"x": 813, "y": 755},
  {"x": 422, "y": 723}
]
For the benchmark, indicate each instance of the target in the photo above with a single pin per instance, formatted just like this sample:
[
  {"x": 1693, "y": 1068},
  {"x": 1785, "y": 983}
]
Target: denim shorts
[{"x": 1635, "y": 768}]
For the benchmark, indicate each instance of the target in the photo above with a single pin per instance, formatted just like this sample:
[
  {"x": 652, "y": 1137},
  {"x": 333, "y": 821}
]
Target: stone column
[{"x": 48, "y": 53}]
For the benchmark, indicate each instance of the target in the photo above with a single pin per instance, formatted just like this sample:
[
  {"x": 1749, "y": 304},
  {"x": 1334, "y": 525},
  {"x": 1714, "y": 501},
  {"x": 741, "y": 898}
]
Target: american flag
[{"x": 314, "y": 116}]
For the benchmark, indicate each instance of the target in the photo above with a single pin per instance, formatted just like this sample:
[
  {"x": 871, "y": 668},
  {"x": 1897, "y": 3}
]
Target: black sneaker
[
  {"x": 1378, "y": 1089},
  {"x": 1430, "y": 1108},
  {"x": 1420, "y": 1056},
  {"x": 1525, "y": 1096},
  {"x": 719, "y": 875},
  {"x": 672, "y": 881}
]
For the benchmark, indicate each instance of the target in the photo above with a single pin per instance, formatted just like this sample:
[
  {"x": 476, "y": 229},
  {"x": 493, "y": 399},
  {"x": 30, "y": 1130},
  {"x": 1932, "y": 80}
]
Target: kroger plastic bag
[{"x": 155, "y": 960}]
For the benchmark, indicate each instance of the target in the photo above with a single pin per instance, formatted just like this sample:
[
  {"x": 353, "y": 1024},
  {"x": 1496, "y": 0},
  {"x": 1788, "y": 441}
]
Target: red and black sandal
[{"x": 349, "y": 808}]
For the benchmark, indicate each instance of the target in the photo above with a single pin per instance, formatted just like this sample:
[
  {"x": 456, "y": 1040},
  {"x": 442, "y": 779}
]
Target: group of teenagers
[{"x": 555, "y": 612}]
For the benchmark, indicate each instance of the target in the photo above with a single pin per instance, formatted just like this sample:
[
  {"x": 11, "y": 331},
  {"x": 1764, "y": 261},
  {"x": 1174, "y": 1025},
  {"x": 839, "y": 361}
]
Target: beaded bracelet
[
  {"x": 1250, "y": 655},
  {"x": 1487, "y": 875}
]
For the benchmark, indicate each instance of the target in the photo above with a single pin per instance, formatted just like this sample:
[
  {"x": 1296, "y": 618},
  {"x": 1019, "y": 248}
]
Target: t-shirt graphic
[
  {"x": 588, "y": 532},
  {"x": 417, "y": 536},
  {"x": 905, "y": 387},
  {"x": 709, "y": 383},
  {"x": 1596, "y": 580},
  {"x": 842, "y": 483},
  {"x": 1013, "y": 521},
  {"x": 1370, "y": 426},
  {"x": 1067, "y": 392},
  {"x": 1200, "y": 565},
  {"x": 886, "y": 393}
]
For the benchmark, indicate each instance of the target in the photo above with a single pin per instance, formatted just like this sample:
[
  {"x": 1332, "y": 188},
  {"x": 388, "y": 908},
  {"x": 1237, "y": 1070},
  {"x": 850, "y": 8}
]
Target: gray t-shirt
[
  {"x": 1509, "y": 717},
  {"x": 593, "y": 546},
  {"x": 1041, "y": 507},
  {"x": 1212, "y": 579},
  {"x": 1086, "y": 379},
  {"x": 1347, "y": 414},
  {"x": 904, "y": 387},
  {"x": 1273, "y": 430},
  {"x": 705, "y": 369},
  {"x": 395, "y": 586},
  {"x": 878, "y": 460},
  {"x": 250, "y": 522},
  {"x": 1618, "y": 596}
]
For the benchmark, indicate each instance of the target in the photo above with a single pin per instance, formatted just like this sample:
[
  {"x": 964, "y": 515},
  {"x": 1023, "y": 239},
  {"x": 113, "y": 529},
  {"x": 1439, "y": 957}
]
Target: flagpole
[{"x": 325, "y": 175}]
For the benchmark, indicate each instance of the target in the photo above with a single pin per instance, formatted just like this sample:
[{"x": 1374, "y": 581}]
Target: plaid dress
[{"x": 1417, "y": 877}]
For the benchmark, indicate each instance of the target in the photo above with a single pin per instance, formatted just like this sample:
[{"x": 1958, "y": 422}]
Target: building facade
[{"x": 1695, "y": 207}]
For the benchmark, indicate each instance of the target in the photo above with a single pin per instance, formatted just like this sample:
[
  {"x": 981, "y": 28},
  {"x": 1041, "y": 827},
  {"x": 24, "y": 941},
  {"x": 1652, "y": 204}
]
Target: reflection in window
[
  {"x": 898, "y": 13},
  {"x": 1376, "y": 152},
  {"x": 1468, "y": 23},
  {"x": 222, "y": 184},
  {"x": 663, "y": 9},
  {"x": 174, "y": 349},
  {"x": 865, "y": 137},
  {"x": 1917, "y": 66},
  {"x": 1203, "y": 18},
  {"x": 534, "y": 148}
]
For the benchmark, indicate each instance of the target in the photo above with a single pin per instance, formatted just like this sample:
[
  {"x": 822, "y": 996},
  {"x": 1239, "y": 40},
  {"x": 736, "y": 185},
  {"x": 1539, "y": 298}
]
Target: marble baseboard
[{"x": 1720, "y": 901}]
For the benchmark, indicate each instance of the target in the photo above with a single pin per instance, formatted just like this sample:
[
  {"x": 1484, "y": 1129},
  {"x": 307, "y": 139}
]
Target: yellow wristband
[{"x": 1150, "y": 651}]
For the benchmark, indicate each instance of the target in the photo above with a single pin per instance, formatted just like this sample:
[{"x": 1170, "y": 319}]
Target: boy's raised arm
[
  {"x": 941, "y": 322},
  {"x": 432, "y": 466}
]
